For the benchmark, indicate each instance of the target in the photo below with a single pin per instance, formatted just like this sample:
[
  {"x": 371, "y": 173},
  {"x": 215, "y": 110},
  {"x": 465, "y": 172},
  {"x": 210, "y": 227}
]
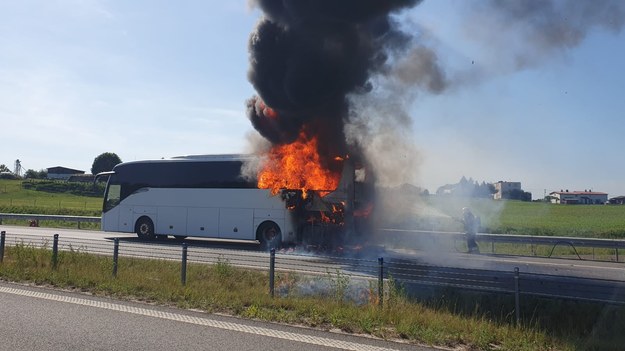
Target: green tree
[
  {"x": 4, "y": 168},
  {"x": 105, "y": 162},
  {"x": 517, "y": 194},
  {"x": 32, "y": 174}
]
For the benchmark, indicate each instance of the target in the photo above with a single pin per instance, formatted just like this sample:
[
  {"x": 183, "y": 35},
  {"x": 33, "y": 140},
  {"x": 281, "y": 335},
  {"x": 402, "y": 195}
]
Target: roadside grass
[
  {"x": 226, "y": 289},
  {"x": 14, "y": 199},
  {"x": 54, "y": 224}
]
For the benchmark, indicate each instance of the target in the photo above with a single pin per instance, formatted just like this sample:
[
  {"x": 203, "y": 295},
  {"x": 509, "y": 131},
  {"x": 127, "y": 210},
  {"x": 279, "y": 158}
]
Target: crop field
[
  {"x": 442, "y": 213},
  {"x": 538, "y": 218},
  {"x": 15, "y": 199},
  {"x": 604, "y": 221}
]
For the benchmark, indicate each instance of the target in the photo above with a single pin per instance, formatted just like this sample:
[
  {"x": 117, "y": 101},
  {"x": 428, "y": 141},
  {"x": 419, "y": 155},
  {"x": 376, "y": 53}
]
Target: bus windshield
[{"x": 113, "y": 196}]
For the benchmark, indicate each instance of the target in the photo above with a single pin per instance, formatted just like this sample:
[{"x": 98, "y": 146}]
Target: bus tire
[
  {"x": 269, "y": 235},
  {"x": 145, "y": 228}
]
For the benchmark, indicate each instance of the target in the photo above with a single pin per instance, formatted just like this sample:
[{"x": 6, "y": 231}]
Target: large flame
[{"x": 297, "y": 166}]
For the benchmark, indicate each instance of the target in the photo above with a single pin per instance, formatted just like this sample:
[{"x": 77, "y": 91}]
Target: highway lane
[{"x": 36, "y": 318}]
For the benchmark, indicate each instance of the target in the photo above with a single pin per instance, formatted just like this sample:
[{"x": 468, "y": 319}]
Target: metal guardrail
[
  {"x": 409, "y": 238},
  {"x": 39, "y": 217},
  {"x": 497, "y": 281},
  {"x": 552, "y": 240}
]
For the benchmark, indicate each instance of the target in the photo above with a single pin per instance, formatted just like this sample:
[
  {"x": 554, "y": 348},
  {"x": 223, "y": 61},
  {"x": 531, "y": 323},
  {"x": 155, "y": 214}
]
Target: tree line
[
  {"x": 472, "y": 188},
  {"x": 102, "y": 163}
]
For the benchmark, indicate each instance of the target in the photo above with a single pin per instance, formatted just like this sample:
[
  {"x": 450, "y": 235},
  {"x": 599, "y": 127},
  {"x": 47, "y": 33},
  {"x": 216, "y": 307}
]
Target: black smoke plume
[
  {"x": 306, "y": 56},
  {"x": 344, "y": 72}
]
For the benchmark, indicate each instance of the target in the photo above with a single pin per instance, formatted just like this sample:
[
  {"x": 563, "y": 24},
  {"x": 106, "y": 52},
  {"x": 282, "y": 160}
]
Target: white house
[
  {"x": 578, "y": 197},
  {"x": 505, "y": 188}
]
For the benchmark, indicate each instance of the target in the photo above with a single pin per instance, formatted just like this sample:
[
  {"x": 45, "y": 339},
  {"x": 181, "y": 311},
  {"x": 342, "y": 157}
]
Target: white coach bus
[{"x": 199, "y": 196}]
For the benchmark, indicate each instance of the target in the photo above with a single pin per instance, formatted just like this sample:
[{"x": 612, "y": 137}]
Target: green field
[
  {"x": 538, "y": 218},
  {"x": 15, "y": 199},
  {"x": 443, "y": 213}
]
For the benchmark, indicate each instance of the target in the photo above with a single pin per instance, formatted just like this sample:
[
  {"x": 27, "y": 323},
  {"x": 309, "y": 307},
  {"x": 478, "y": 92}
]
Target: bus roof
[
  {"x": 224, "y": 157},
  {"x": 197, "y": 158}
]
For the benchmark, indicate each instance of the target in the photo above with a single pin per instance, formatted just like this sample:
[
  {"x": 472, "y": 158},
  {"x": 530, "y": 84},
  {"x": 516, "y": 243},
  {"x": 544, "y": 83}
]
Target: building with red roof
[{"x": 586, "y": 197}]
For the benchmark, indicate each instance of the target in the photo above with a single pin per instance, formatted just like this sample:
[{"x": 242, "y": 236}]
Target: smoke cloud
[
  {"x": 526, "y": 33},
  {"x": 347, "y": 72},
  {"x": 306, "y": 56}
]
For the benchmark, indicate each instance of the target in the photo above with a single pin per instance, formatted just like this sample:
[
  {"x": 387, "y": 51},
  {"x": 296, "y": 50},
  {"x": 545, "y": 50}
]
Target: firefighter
[{"x": 471, "y": 224}]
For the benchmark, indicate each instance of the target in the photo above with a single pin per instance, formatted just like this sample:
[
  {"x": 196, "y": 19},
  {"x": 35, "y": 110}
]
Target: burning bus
[{"x": 209, "y": 197}]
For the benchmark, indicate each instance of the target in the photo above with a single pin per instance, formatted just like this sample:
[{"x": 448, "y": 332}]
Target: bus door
[{"x": 126, "y": 220}]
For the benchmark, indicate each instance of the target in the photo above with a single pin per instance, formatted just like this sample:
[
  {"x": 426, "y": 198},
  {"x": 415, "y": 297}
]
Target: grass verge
[{"x": 224, "y": 288}]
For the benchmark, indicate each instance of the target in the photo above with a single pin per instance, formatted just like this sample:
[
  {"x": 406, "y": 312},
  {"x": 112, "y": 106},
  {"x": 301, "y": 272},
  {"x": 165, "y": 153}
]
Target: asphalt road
[{"x": 36, "y": 318}]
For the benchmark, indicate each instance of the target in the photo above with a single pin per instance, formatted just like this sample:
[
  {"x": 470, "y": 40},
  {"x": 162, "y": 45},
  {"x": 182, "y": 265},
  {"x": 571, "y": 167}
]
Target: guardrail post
[
  {"x": 381, "y": 281},
  {"x": 2, "y": 238},
  {"x": 183, "y": 269},
  {"x": 593, "y": 254},
  {"x": 272, "y": 271},
  {"x": 115, "y": 257},
  {"x": 55, "y": 251},
  {"x": 517, "y": 296}
]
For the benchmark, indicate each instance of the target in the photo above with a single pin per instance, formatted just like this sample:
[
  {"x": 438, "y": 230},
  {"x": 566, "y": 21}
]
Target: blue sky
[{"x": 152, "y": 79}]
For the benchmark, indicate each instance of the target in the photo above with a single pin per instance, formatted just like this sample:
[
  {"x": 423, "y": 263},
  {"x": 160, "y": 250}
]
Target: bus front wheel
[
  {"x": 145, "y": 228},
  {"x": 269, "y": 235}
]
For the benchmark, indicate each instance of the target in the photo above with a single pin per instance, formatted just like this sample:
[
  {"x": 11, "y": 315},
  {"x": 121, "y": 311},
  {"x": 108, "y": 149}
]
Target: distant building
[
  {"x": 504, "y": 190},
  {"x": 585, "y": 197},
  {"x": 62, "y": 173},
  {"x": 618, "y": 200}
]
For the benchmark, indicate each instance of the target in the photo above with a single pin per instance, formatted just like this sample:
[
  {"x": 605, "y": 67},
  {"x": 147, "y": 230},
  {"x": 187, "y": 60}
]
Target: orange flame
[{"x": 296, "y": 166}]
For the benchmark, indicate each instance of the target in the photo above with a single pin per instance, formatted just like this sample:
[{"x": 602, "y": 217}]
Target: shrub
[{"x": 55, "y": 186}]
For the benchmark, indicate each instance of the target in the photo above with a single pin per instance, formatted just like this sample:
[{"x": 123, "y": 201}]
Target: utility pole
[{"x": 18, "y": 168}]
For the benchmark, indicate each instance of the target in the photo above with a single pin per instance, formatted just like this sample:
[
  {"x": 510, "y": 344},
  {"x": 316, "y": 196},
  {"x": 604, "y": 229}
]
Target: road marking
[{"x": 314, "y": 340}]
